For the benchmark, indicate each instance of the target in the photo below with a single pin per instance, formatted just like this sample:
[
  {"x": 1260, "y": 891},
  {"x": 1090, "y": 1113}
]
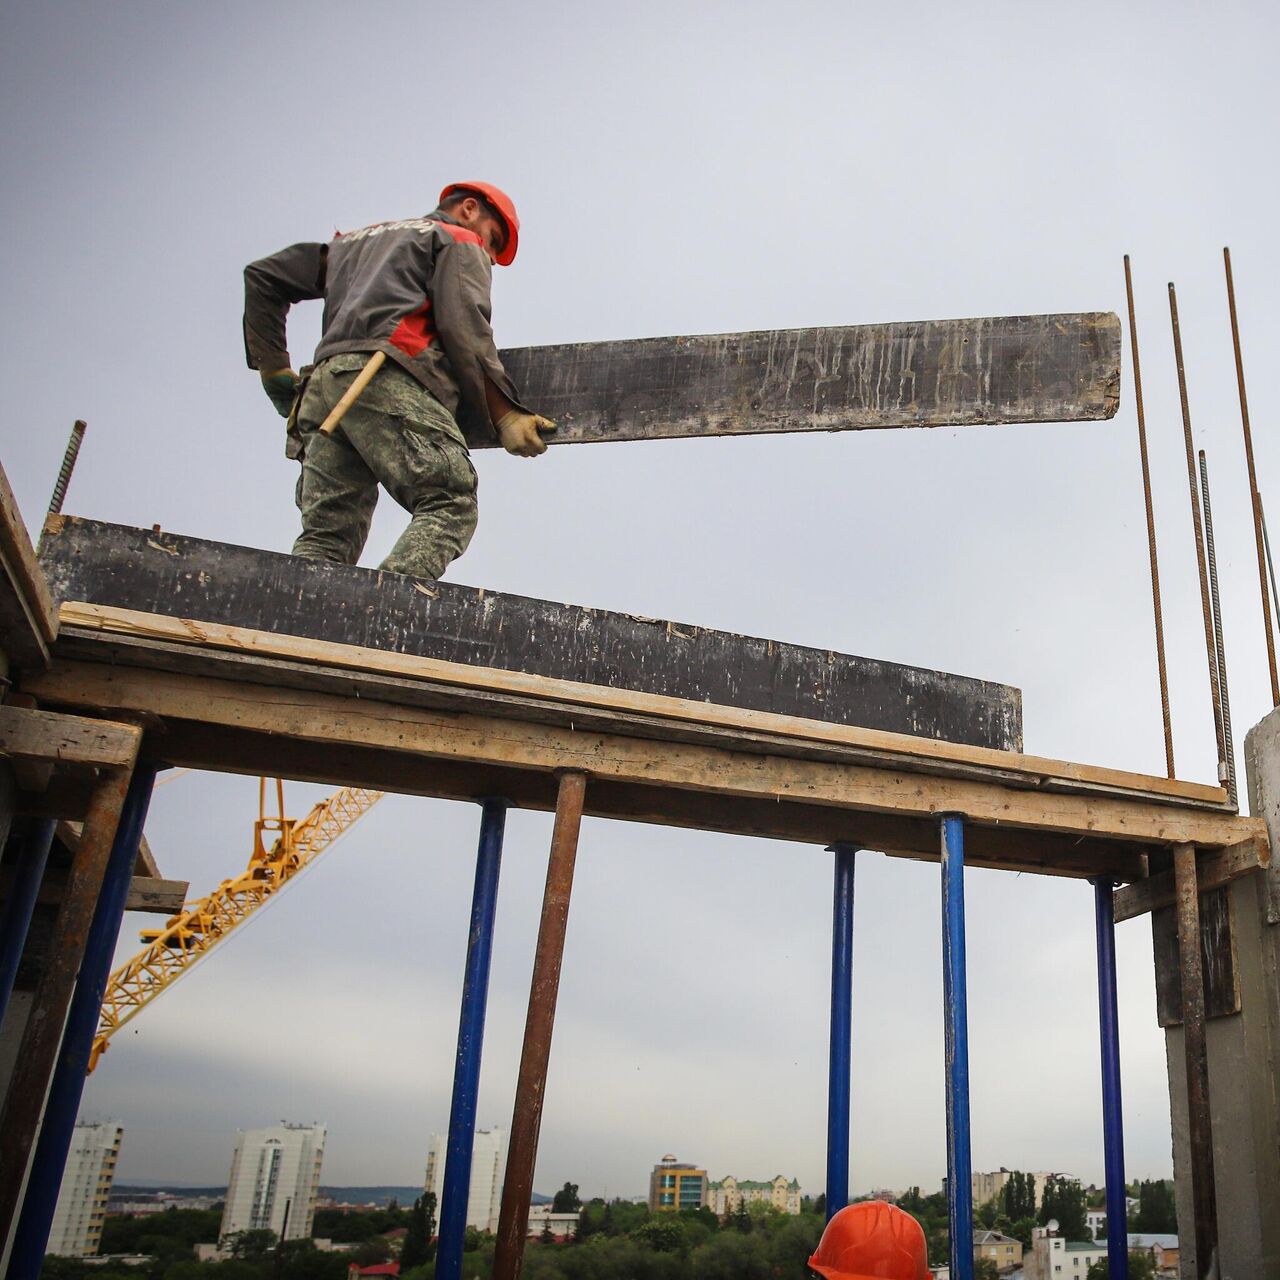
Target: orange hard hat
[
  {"x": 872, "y": 1240},
  {"x": 503, "y": 206}
]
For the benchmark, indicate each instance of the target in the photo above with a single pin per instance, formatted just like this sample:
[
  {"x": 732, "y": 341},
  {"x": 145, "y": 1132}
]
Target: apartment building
[
  {"x": 725, "y": 1195},
  {"x": 275, "y": 1175},
  {"x": 86, "y": 1186},
  {"x": 673, "y": 1185},
  {"x": 488, "y": 1164}
]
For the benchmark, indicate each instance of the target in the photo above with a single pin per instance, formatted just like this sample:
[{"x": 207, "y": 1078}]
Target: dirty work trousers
[{"x": 398, "y": 435}]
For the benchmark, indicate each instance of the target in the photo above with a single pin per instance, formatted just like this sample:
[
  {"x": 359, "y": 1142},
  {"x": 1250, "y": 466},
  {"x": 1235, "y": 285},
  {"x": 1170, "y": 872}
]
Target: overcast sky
[{"x": 679, "y": 168}]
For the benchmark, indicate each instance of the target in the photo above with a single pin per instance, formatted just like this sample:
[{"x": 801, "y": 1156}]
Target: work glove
[
  {"x": 518, "y": 432},
  {"x": 282, "y": 388}
]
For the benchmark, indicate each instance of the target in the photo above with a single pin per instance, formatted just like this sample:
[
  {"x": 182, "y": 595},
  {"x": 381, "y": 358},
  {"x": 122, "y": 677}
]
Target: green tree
[
  {"x": 663, "y": 1234},
  {"x": 566, "y": 1199},
  {"x": 1142, "y": 1266},
  {"x": 985, "y": 1269},
  {"x": 251, "y": 1246},
  {"x": 1018, "y": 1197},
  {"x": 1063, "y": 1199},
  {"x": 1157, "y": 1211},
  {"x": 417, "y": 1247},
  {"x": 740, "y": 1219}
]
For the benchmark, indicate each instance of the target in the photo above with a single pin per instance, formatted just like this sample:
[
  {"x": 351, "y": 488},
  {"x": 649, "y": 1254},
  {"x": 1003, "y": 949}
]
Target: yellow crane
[{"x": 190, "y": 935}]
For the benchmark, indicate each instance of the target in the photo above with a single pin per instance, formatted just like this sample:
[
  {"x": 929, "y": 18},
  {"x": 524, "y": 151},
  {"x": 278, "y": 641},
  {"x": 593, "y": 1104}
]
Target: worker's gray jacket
[{"x": 417, "y": 290}]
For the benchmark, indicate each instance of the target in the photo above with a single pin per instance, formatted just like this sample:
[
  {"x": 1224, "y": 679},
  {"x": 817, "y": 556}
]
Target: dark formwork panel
[{"x": 163, "y": 573}]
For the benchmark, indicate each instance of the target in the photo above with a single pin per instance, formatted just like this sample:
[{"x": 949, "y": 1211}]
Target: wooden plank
[
  {"x": 66, "y": 740},
  {"x": 932, "y": 373},
  {"x": 1217, "y": 959},
  {"x": 161, "y": 573},
  {"x": 150, "y": 894},
  {"x": 235, "y": 750},
  {"x": 28, "y": 622},
  {"x": 1216, "y": 867},
  {"x": 294, "y": 716},
  {"x": 900, "y": 750},
  {"x": 69, "y": 833}
]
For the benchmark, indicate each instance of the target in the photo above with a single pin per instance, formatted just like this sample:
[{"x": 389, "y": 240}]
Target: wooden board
[
  {"x": 27, "y": 619},
  {"x": 66, "y": 740},
  {"x": 1214, "y": 868},
  {"x": 191, "y": 647},
  {"x": 341, "y": 727},
  {"x": 1217, "y": 957},
  {"x": 148, "y": 894},
  {"x": 263, "y": 591},
  {"x": 1055, "y": 368}
]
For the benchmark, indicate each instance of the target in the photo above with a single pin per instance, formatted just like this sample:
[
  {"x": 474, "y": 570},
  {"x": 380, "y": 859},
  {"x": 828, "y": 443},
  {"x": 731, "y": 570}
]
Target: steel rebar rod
[
  {"x": 68, "y": 465},
  {"x": 1204, "y": 1196},
  {"x": 1266, "y": 542},
  {"x": 531, "y": 1082},
  {"x": 1151, "y": 525},
  {"x": 1259, "y": 536},
  {"x": 1199, "y": 536},
  {"x": 1220, "y": 650},
  {"x": 839, "y": 1064}
]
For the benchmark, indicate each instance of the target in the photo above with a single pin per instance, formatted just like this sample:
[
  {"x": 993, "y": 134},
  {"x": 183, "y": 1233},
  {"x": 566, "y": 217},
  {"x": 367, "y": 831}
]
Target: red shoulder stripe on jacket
[
  {"x": 416, "y": 332},
  {"x": 462, "y": 234}
]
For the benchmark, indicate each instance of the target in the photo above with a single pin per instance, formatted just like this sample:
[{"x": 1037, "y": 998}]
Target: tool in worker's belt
[{"x": 353, "y": 393}]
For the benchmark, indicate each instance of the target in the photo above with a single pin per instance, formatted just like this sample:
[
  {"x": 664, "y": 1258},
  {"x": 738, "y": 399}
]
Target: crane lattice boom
[{"x": 190, "y": 935}]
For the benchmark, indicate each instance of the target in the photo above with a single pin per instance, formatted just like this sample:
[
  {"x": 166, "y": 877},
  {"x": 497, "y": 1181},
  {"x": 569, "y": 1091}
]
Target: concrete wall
[{"x": 1244, "y": 1062}]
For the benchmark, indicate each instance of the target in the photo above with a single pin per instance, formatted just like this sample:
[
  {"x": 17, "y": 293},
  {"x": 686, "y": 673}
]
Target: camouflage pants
[{"x": 398, "y": 435}]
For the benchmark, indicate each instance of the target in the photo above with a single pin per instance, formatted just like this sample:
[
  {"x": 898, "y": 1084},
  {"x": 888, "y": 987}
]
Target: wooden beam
[
  {"x": 66, "y": 740},
  {"x": 143, "y": 572},
  {"x": 69, "y": 833},
  {"x": 294, "y": 716},
  {"x": 851, "y": 742},
  {"x": 28, "y": 623},
  {"x": 149, "y": 894},
  {"x": 1216, "y": 867},
  {"x": 1056, "y": 368}
]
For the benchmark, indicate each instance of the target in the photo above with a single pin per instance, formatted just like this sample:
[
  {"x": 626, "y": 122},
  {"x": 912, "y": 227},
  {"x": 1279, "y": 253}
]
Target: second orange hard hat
[
  {"x": 872, "y": 1240},
  {"x": 505, "y": 208}
]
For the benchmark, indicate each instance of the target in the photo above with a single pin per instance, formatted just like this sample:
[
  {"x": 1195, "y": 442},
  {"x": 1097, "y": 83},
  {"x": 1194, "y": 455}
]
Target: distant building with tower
[
  {"x": 728, "y": 1193},
  {"x": 488, "y": 1164},
  {"x": 86, "y": 1186},
  {"x": 673, "y": 1185},
  {"x": 275, "y": 1175}
]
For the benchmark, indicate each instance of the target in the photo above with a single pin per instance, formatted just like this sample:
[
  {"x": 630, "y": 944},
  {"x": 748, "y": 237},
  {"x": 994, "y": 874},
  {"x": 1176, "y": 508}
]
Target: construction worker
[
  {"x": 872, "y": 1240},
  {"x": 417, "y": 291}
]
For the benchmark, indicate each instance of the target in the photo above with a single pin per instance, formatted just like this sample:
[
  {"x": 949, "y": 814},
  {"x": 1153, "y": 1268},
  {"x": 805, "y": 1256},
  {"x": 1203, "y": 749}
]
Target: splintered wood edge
[{"x": 898, "y": 748}]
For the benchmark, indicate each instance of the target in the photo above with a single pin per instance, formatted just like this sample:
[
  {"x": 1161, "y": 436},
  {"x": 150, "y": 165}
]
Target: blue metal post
[
  {"x": 466, "y": 1072},
  {"x": 36, "y": 842},
  {"x": 72, "y": 1065},
  {"x": 956, "y": 1014},
  {"x": 841, "y": 1031},
  {"x": 1112, "y": 1118}
]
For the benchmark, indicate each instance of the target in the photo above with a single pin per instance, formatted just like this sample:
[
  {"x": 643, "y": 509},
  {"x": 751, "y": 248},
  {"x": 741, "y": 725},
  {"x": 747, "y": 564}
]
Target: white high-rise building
[
  {"x": 275, "y": 1175},
  {"x": 86, "y": 1184},
  {"x": 488, "y": 1161}
]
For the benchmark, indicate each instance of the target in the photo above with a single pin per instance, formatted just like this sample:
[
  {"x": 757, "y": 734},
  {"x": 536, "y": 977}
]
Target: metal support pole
[
  {"x": 58, "y": 1126},
  {"x": 1204, "y": 1195},
  {"x": 956, "y": 1015},
  {"x": 42, "y": 1034},
  {"x": 36, "y": 841},
  {"x": 1112, "y": 1115},
  {"x": 839, "y": 1071},
  {"x": 466, "y": 1071},
  {"x": 531, "y": 1084}
]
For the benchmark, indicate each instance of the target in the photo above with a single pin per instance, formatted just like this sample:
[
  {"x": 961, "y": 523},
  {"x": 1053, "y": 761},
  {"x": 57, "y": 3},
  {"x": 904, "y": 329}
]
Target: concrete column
[{"x": 1244, "y": 1060}]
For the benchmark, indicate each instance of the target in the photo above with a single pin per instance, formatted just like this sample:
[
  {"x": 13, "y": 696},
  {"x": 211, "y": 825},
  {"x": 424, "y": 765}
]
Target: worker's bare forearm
[{"x": 497, "y": 403}]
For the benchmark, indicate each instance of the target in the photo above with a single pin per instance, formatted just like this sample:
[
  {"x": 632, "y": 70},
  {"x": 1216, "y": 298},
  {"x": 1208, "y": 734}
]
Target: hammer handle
[{"x": 353, "y": 392}]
